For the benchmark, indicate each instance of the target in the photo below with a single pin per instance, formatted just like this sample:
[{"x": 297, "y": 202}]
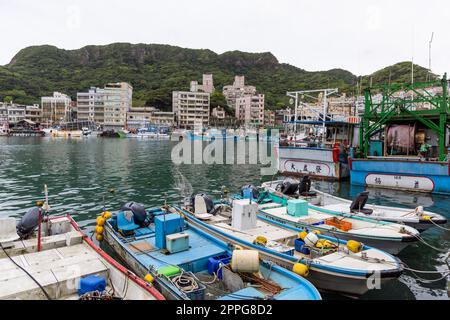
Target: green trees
[{"x": 157, "y": 70}]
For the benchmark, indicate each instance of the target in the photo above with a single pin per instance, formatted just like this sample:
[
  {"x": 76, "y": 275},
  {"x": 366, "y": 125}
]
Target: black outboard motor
[
  {"x": 28, "y": 223},
  {"x": 208, "y": 202},
  {"x": 289, "y": 187},
  {"x": 139, "y": 213},
  {"x": 252, "y": 188},
  {"x": 359, "y": 203},
  {"x": 305, "y": 187}
]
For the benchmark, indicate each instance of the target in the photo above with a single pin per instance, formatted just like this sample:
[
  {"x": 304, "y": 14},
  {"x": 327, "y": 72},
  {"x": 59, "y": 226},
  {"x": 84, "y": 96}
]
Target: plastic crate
[
  {"x": 299, "y": 246},
  {"x": 341, "y": 225},
  {"x": 214, "y": 263}
]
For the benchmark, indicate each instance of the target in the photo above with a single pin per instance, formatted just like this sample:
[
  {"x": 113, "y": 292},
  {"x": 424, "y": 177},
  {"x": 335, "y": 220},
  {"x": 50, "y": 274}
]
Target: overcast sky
[{"x": 358, "y": 35}]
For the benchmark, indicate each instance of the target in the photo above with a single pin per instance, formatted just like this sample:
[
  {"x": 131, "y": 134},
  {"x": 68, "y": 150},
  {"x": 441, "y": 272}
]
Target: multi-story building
[
  {"x": 269, "y": 118},
  {"x": 250, "y": 109},
  {"x": 163, "y": 118},
  {"x": 90, "y": 105},
  {"x": 191, "y": 108},
  {"x": 206, "y": 86},
  {"x": 106, "y": 106},
  {"x": 117, "y": 102},
  {"x": 144, "y": 116},
  {"x": 16, "y": 113},
  {"x": 56, "y": 109},
  {"x": 247, "y": 103},
  {"x": 33, "y": 113},
  {"x": 3, "y": 113},
  {"x": 218, "y": 112},
  {"x": 237, "y": 90}
]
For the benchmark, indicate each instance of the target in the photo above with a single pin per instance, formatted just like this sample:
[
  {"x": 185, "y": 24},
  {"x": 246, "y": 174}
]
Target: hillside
[{"x": 156, "y": 70}]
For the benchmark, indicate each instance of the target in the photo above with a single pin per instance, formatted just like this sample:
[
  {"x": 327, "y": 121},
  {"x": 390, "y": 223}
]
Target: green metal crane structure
[{"x": 405, "y": 102}]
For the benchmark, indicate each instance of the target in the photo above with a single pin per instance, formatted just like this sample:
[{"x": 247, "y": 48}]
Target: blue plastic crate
[
  {"x": 299, "y": 246},
  {"x": 91, "y": 283},
  {"x": 214, "y": 263}
]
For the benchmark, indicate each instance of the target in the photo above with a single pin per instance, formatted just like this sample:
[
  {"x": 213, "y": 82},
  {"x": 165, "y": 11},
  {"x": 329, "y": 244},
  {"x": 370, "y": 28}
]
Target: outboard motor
[
  {"x": 28, "y": 223},
  {"x": 304, "y": 188},
  {"x": 201, "y": 203},
  {"x": 139, "y": 213},
  {"x": 359, "y": 203},
  {"x": 289, "y": 187},
  {"x": 249, "y": 188}
]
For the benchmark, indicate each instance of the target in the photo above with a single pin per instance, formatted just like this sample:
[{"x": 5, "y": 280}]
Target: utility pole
[{"x": 429, "y": 54}]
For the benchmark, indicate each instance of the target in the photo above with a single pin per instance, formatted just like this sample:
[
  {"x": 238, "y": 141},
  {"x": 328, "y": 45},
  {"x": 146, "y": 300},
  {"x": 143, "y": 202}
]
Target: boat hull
[
  {"x": 421, "y": 176},
  {"x": 324, "y": 280},
  {"x": 315, "y": 162}
]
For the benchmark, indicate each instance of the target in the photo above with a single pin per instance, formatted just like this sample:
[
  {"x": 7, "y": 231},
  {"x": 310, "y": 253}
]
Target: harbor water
[{"x": 85, "y": 175}]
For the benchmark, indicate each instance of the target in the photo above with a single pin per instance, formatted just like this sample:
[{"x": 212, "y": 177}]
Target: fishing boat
[
  {"x": 4, "y": 129},
  {"x": 404, "y": 138},
  {"x": 185, "y": 263},
  {"x": 387, "y": 236},
  {"x": 318, "y": 135},
  {"x": 331, "y": 264},
  {"x": 416, "y": 218},
  {"x": 60, "y": 262}
]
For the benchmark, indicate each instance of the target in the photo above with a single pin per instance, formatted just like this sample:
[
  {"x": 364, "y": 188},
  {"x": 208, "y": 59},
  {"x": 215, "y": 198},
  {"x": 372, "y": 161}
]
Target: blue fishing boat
[
  {"x": 331, "y": 264},
  {"x": 186, "y": 263}
]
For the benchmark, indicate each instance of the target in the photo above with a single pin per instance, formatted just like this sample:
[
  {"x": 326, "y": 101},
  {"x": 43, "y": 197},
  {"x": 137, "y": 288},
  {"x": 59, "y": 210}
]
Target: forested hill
[{"x": 156, "y": 70}]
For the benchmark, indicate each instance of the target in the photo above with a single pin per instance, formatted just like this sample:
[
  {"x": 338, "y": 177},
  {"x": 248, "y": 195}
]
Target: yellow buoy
[
  {"x": 99, "y": 237},
  {"x": 354, "y": 246},
  {"x": 426, "y": 217},
  {"x": 302, "y": 235},
  {"x": 99, "y": 230},
  {"x": 300, "y": 269},
  {"x": 100, "y": 221},
  {"x": 149, "y": 278},
  {"x": 261, "y": 240},
  {"x": 106, "y": 215},
  {"x": 316, "y": 231}
]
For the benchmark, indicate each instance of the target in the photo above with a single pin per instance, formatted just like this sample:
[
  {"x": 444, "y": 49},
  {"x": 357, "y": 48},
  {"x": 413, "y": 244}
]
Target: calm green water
[{"x": 81, "y": 173}]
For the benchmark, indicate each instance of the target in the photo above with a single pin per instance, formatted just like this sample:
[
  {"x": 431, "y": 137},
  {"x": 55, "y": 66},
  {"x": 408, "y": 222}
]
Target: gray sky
[{"x": 358, "y": 35}]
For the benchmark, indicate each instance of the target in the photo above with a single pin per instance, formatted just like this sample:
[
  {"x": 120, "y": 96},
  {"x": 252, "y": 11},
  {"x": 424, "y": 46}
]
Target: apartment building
[
  {"x": 191, "y": 108},
  {"x": 237, "y": 90},
  {"x": 33, "y": 113},
  {"x": 90, "y": 105},
  {"x": 107, "y": 106},
  {"x": 250, "y": 109},
  {"x": 56, "y": 109},
  {"x": 206, "y": 86},
  {"x": 269, "y": 118},
  {"x": 117, "y": 101}
]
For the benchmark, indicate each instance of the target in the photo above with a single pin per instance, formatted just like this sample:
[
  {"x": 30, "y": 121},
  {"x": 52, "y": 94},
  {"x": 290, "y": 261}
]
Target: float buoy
[
  {"x": 301, "y": 269},
  {"x": 354, "y": 246}
]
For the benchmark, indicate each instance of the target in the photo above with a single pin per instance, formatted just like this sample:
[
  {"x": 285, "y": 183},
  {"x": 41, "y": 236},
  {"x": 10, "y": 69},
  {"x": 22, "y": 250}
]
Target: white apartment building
[
  {"x": 206, "y": 86},
  {"x": 250, "y": 109},
  {"x": 117, "y": 102},
  {"x": 191, "y": 108},
  {"x": 13, "y": 113},
  {"x": 56, "y": 109},
  {"x": 237, "y": 90},
  {"x": 107, "y": 106},
  {"x": 144, "y": 116},
  {"x": 90, "y": 105}
]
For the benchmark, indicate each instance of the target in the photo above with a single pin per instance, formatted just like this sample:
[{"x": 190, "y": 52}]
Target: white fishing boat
[
  {"x": 4, "y": 129},
  {"x": 416, "y": 218},
  {"x": 388, "y": 236},
  {"x": 337, "y": 265},
  {"x": 62, "y": 264},
  {"x": 66, "y": 133}
]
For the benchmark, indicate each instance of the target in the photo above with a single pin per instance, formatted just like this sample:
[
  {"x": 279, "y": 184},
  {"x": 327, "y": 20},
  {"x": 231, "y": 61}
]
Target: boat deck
[
  {"x": 57, "y": 269},
  {"x": 144, "y": 250}
]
